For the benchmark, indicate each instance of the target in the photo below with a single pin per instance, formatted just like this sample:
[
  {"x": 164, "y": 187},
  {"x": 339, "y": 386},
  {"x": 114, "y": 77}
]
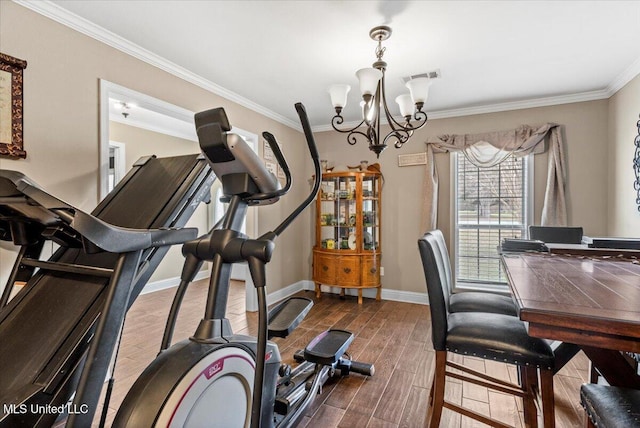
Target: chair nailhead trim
[{"x": 455, "y": 350}]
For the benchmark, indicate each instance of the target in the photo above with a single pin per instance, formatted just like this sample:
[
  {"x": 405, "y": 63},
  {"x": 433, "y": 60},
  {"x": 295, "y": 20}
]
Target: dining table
[{"x": 588, "y": 298}]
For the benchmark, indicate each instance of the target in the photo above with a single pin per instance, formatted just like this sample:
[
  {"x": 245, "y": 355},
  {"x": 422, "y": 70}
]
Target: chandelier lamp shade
[{"x": 374, "y": 103}]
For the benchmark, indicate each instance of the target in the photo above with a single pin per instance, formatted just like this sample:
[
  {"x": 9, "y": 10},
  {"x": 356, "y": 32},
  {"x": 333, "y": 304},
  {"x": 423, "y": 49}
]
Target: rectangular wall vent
[{"x": 434, "y": 74}]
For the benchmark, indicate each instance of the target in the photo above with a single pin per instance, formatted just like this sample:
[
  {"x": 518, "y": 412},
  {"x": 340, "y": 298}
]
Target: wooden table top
[{"x": 591, "y": 301}]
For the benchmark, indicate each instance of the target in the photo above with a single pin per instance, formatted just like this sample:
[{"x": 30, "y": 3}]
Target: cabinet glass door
[
  {"x": 370, "y": 212},
  {"x": 338, "y": 213}
]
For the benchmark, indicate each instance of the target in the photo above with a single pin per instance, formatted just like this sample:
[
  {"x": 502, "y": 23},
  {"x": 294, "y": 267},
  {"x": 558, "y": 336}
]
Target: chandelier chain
[{"x": 380, "y": 50}]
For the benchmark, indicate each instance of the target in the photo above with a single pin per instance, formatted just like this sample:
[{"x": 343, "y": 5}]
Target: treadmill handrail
[
  {"x": 106, "y": 236},
  {"x": 116, "y": 239}
]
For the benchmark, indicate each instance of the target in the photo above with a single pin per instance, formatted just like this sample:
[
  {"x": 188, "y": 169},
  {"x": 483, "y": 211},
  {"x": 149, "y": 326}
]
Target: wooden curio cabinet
[{"x": 347, "y": 252}]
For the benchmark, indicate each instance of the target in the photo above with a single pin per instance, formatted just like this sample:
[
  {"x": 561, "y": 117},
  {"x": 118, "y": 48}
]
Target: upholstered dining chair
[
  {"x": 489, "y": 336},
  {"x": 478, "y": 301},
  {"x": 556, "y": 234},
  {"x": 468, "y": 301},
  {"x": 610, "y": 407}
]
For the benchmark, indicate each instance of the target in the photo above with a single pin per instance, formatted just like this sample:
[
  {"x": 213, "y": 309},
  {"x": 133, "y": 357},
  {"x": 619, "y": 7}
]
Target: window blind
[{"x": 490, "y": 204}]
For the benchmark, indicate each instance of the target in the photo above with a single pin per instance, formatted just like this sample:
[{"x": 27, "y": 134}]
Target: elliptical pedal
[
  {"x": 328, "y": 347},
  {"x": 285, "y": 317}
]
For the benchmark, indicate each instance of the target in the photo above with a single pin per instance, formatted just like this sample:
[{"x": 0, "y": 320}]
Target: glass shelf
[{"x": 348, "y": 212}]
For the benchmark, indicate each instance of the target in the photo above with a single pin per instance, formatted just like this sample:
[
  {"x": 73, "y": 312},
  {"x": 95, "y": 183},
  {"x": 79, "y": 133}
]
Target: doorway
[{"x": 124, "y": 108}]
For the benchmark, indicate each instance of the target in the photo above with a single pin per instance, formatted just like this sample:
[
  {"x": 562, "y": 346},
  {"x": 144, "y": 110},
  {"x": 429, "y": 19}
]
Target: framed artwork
[
  {"x": 636, "y": 166},
  {"x": 11, "y": 70},
  {"x": 267, "y": 153},
  {"x": 272, "y": 167},
  {"x": 270, "y": 161},
  {"x": 412, "y": 159}
]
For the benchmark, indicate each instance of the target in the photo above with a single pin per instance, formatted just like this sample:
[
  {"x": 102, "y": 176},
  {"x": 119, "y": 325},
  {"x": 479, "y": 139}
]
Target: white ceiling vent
[{"x": 433, "y": 74}]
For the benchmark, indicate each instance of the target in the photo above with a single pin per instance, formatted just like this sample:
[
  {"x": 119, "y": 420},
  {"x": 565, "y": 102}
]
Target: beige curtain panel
[{"x": 489, "y": 149}]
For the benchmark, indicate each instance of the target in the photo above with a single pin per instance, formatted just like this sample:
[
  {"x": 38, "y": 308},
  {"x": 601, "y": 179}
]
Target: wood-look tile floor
[{"x": 394, "y": 336}]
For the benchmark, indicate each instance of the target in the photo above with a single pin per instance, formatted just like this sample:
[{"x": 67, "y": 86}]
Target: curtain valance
[{"x": 521, "y": 141}]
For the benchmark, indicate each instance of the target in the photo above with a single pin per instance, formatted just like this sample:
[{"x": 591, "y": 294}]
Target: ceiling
[{"x": 267, "y": 55}]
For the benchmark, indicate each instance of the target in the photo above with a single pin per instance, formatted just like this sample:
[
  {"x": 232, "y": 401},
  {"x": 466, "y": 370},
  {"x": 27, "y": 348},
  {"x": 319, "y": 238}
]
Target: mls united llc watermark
[{"x": 45, "y": 409}]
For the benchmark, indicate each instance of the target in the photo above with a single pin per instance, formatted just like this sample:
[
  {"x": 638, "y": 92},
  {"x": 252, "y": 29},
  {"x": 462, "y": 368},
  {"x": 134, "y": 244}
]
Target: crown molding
[
  {"x": 88, "y": 28},
  {"x": 521, "y": 105},
  {"x": 75, "y": 22},
  {"x": 625, "y": 77},
  {"x": 498, "y": 107}
]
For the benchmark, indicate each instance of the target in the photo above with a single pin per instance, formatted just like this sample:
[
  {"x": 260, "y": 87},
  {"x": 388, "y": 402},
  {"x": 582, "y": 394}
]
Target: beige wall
[
  {"x": 140, "y": 142},
  {"x": 585, "y": 126},
  {"x": 61, "y": 105},
  {"x": 624, "y": 111}
]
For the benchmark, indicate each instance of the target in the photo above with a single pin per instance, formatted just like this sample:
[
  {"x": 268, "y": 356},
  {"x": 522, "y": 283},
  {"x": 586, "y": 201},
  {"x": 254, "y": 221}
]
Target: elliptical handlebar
[
  {"x": 257, "y": 252},
  {"x": 275, "y": 148},
  {"x": 313, "y": 151},
  {"x": 262, "y": 250},
  {"x": 306, "y": 127}
]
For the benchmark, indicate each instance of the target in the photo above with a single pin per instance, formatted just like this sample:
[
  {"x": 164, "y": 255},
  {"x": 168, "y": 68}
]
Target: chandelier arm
[
  {"x": 419, "y": 116},
  {"x": 352, "y": 138},
  {"x": 374, "y": 131},
  {"x": 372, "y": 136},
  {"x": 387, "y": 113},
  {"x": 401, "y": 136},
  {"x": 338, "y": 120}
]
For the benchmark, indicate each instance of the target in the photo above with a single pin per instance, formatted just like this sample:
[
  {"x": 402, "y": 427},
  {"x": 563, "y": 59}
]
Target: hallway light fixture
[
  {"x": 372, "y": 87},
  {"x": 124, "y": 107}
]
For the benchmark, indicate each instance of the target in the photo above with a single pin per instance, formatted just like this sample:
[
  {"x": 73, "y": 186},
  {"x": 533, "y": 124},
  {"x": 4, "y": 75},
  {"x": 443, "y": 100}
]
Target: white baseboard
[
  {"x": 386, "y": 294},
  {"x": 283, "y": 293},
  {"x": 171, "y": 282},
  {"x": 274, "y": 297},
  {"x": 405, "y": 296}
]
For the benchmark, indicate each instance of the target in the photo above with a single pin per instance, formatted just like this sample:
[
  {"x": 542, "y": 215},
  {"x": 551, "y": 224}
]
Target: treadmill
[{"x": 58, "y": 333}]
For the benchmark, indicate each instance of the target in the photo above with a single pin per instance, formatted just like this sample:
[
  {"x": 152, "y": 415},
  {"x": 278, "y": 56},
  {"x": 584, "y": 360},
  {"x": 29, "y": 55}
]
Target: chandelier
[{"x": 374, "y": 102}]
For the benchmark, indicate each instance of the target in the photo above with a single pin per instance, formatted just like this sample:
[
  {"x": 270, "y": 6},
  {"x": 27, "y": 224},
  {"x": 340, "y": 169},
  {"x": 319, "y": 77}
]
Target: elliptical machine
[{"x": 217, "y": 378}]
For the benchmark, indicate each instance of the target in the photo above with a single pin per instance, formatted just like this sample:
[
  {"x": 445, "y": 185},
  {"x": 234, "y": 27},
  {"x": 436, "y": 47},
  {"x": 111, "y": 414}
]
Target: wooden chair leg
[
  {"x": 529, "y": 381},
  {"x": 431, "y": 393},
  {"x": 548, "y": 400},
  {"x": 437, "y": 401}
]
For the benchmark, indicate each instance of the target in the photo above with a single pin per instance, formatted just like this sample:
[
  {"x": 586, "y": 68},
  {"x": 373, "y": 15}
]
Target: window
[{"x": 489, "y": 204}]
